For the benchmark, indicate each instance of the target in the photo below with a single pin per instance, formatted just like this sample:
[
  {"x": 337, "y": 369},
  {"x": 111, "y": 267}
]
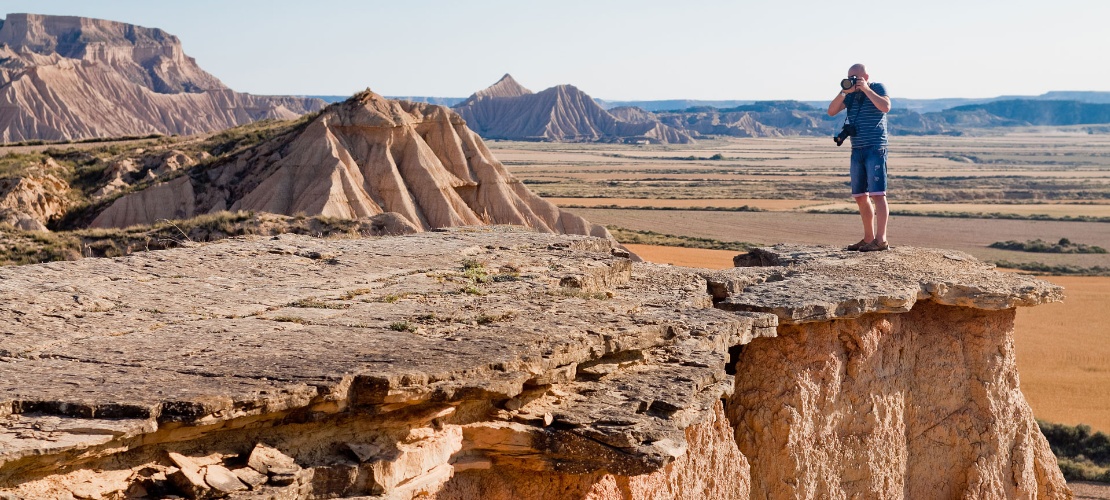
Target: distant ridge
[
  {"x": 508, "y": 110},
  {"x": 65, "y": 78}
]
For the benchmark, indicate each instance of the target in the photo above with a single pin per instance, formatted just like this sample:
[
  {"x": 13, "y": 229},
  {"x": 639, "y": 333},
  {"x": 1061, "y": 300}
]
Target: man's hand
[{"x": 861, "y": 85}]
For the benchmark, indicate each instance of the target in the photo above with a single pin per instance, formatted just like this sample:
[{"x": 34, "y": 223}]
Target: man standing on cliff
[{"x": 867, "y": 104}]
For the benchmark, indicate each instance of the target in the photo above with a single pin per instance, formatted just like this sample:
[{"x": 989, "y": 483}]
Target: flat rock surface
[
  {"x": 244, "y": 327},
  {"x": 803, "y": 283}
]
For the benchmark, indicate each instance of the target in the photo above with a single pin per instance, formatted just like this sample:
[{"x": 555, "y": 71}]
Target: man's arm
[
  {"x": 881, "y": 102},
  {"x": 837, "y": 104}
]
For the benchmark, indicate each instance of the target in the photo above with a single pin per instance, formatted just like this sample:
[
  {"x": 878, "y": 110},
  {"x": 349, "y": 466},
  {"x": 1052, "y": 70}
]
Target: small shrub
[
  {"x": 402, "y": 326},
  {"x": 291, "y": 319},
  {"x": 318, "y": 304}
]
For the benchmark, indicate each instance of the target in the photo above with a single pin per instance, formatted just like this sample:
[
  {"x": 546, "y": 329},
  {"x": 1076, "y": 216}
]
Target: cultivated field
[{"x": 764, "y": 191}]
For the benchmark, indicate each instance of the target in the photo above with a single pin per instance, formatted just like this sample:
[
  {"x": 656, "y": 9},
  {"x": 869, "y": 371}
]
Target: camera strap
[{"x": 856, "y": 106}]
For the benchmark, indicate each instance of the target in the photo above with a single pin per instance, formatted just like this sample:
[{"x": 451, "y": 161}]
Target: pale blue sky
[{"x": 625, "y": 50}]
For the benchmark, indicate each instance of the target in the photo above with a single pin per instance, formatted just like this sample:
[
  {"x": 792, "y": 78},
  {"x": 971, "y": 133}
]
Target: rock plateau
[
  {"x": 66, "y": 78},
  {"x": 498, "y": 363}
]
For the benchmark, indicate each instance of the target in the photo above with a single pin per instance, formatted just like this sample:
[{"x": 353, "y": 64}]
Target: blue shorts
[{"x": 868, "y": 171}]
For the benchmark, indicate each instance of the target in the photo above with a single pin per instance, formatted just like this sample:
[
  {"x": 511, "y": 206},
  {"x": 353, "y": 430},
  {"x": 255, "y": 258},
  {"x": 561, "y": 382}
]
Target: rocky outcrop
[
  {"x": 29, "y": 202},
  {"x": 899, "y": 381},
  {"x": 496, "y": 363},
  {"x": 64, "y": 78},
  {"x": 365, "y": 156},
  {"x": 507, "y": 110}
]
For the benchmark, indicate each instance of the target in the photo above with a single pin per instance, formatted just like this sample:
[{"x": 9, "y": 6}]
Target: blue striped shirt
[{"x": 870, "y": 123}]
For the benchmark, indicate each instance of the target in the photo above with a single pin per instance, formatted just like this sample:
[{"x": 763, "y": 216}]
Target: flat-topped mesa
[
  {"x": 67, "y": 78},
  {"x": 361, "y": 157},
  {"x": 489, "y": 362}
]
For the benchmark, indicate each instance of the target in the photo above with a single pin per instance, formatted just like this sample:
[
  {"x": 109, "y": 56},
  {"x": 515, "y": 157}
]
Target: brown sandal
[
  {"x": 856, "y": 246},
  {"x": 875, "y": 246}
]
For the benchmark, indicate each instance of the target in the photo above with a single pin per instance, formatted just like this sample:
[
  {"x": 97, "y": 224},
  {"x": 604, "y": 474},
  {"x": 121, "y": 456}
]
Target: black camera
[
  {"x": 849, "y": 130},
  {"x": 849, "y": 82}
]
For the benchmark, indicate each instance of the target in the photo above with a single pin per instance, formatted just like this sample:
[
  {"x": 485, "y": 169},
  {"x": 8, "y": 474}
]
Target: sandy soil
[
  {"x": 1090, "y": 491},
  {"x": 773, "y": 205},
  {"x": 1050, "y": 209},
  {"x": 686, "y": 257}
]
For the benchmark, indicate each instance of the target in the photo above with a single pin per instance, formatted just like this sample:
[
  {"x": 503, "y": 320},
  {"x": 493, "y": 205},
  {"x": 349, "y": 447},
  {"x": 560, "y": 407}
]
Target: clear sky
[{"x": 631, "y": 49}]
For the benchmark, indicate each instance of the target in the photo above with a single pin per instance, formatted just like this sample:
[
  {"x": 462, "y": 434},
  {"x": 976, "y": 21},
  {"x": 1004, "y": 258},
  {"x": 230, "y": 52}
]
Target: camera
[
  {"x": 849, "y": 82},
  {"x": 849, "y": 130}
]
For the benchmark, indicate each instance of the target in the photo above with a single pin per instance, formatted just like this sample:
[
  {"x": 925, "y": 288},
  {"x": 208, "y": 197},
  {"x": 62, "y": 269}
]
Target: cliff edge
[{"x": 499, "y": 363}]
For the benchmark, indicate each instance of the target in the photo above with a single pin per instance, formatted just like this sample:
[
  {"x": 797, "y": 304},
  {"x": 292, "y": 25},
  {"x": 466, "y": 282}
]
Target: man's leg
[
  {"x": 868, "y": 215},
  {"x": 859, "y": 174},
  {"x": 876, "y": 189},
  {"x": 882, "y": 214}
]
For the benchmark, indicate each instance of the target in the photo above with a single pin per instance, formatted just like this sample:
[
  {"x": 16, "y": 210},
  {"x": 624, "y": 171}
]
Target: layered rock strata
[
  {"x": 365, "y": 156},
  {"x": 65, "y": 78},
  {"x": 495, "y": 363}
]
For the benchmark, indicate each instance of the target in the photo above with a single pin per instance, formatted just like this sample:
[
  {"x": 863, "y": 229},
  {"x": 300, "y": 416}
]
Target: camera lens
[{"x": 847, "y": 83}]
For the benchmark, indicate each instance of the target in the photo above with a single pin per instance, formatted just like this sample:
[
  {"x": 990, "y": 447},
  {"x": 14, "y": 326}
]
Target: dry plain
[{"x": 1037, "y": 177}]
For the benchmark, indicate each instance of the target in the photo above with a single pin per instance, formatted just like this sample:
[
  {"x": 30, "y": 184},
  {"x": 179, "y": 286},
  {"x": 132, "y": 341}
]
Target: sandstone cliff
[
  {"x": 365, "y": 156},
  {"x": 306, "y": 368},
  {"x": 507, "y": 110},
  {"x": 64, "y": 78}
]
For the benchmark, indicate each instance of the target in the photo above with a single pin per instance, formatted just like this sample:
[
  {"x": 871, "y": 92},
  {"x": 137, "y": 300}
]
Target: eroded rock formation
[
  {"x": 29, "y": 202},
  {"x": 365, "y": 156},
  {"x": 507, "y": 110},
  {"x": 495, "y": 363},
  {"x": 64, "y": 77}
]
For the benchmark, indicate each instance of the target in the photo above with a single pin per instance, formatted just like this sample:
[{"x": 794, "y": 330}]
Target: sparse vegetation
[
  {"x": 402, "y": 326},
  {"x": 354, "y": 293},
  {"x": 653, "y": 238},
  {"x": 1058, "y": 269},
  {"x": 29, "y": 247},
  {"x": 1038, "y": 245},
  {"x": 291, "y": 319},
  {"x": 313, "y": 303},
  {"x": 1082, "y": 455}
]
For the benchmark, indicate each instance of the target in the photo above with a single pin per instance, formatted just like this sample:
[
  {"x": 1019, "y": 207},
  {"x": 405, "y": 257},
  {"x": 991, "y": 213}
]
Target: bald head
[{"x": 857, "y": 70}]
